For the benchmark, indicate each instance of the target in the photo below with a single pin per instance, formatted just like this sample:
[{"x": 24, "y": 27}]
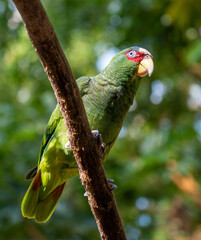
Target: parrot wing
[
  {"x": 32, "y": 205},
  {"x": 51, "y": 126},
  {"x": 83, "y": 85}
]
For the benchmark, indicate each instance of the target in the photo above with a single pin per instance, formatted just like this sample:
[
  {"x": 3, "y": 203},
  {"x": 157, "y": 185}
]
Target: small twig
[{"x": 86, "y": 149}]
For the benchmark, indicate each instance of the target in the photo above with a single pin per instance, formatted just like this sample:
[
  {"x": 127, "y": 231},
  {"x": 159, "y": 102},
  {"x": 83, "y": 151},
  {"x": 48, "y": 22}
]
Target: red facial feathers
[{"x": 134, "y": 55}]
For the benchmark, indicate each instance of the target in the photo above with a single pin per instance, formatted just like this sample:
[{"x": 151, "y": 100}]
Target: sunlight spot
[
  {"x": 158, "y": 90},
  {"x": 114, "y": 7},
  {"x": 142, "y": 203},
  {"x": 14, "y": 21},
  {"x": 115, "y": 20},
  {"x": 11, "y": 5},
  {"x": 133, "y": 107},
  {"x": 165, "y": 20},
  {"x": 191, "y": 33},
  {"x": 194, "y": 100},
  {"x": 133, "y": 233},
  {"x": 123, "y": 132},
  {"x": 105, "y": 58},
  {"x": 23, "y": 95},
  {"x": 144, "y": 220},
  {"x": 139, "y": 121}
]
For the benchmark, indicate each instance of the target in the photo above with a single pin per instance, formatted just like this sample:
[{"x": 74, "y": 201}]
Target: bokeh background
[{"x": 156, "y": 160}]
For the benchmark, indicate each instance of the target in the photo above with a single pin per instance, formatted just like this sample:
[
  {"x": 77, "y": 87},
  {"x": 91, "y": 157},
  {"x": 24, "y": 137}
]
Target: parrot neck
[
  {"x": 124, "y": 85},
  {"x": 118, "y": 77},
  {"x": 117, "y": 94}
]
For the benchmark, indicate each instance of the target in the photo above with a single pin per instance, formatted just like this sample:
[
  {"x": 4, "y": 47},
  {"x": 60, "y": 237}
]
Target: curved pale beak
[{"x": 146, "y": 66}]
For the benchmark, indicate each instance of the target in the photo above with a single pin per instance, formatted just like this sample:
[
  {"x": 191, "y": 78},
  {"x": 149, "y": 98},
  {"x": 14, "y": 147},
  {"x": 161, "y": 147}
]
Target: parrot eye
[{"x": 132, "y": 54}]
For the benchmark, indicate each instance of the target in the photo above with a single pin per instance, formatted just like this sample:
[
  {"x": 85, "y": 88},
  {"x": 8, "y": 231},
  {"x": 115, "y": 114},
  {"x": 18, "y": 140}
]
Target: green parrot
[{"x": 107, "y": 98}]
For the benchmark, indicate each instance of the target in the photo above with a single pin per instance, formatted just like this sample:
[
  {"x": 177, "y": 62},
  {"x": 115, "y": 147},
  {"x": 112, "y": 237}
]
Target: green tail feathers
[{"x": 40, "y": 209}]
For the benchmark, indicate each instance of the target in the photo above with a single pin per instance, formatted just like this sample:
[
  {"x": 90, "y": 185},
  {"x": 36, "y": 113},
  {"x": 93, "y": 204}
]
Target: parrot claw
[
  {"x": 67, "y": 145},
  {"x": 98, "y": 137},
  {"x": 103, "y": 145},
  {"x": 111, "y": 185},
  {"x": 95, "y": 133}
]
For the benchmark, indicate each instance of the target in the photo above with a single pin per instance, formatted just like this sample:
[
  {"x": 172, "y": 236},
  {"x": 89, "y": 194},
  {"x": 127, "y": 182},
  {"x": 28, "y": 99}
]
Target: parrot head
[
  {"x": 144, "y": 60},
  {"x": 133, "y": 61}
]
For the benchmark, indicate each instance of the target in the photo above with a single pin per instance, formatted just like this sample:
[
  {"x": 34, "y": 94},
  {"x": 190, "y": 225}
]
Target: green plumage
[{"x": 107, "y": 98}]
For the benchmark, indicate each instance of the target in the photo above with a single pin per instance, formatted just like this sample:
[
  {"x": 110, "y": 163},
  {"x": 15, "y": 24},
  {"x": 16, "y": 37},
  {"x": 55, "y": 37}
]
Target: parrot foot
[
  {"x": 103, "y": 145},
  {"x": 96, "y": 134},
  {"x": 67, "y": 145},
  {"x": 111, "y": 186}
]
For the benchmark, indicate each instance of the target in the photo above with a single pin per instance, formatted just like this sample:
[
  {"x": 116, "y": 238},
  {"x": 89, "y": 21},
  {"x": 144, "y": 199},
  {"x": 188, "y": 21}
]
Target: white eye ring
[{"x": 132, "y": 54}]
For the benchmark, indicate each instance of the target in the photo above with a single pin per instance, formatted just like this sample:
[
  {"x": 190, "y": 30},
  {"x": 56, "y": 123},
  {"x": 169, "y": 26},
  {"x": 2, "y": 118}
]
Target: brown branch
[{"x": 86, "y": 149}]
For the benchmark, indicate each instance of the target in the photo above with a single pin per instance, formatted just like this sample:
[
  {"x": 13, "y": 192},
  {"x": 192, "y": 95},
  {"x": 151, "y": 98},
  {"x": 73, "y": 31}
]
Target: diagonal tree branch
[{"x": 86, "y": 149}]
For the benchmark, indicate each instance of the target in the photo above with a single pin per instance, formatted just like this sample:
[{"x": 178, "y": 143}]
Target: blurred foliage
[{"x": 156, "y": 161}]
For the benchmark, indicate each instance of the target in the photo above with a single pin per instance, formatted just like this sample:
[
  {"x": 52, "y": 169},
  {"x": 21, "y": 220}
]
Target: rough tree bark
[{"x": 86, "y": 149}]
